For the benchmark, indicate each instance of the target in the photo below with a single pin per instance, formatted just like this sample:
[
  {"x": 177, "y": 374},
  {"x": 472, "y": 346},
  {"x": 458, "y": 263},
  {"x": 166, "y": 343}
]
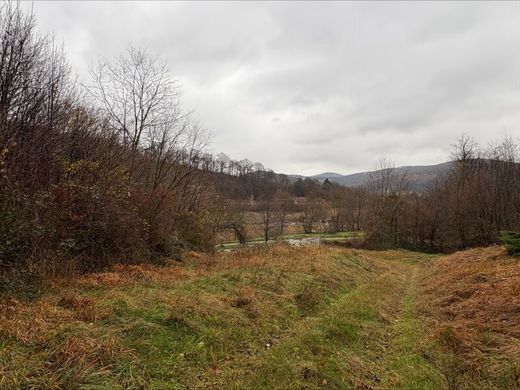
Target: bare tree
[
  {"x": 389, "y": 188},
  {"x": 137, "y": 93},
  {"x": 283, "y": 204},
  {"x": 313, "y": 213},
  {"x": 267, "y": 212},
  {"x": 236, "y": 221},
  {"x": 139, "y": 96}
]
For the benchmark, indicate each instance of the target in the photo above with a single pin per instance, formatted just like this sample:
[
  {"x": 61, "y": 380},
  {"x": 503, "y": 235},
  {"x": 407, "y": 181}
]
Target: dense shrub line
[{"x": 88, "y": 178}]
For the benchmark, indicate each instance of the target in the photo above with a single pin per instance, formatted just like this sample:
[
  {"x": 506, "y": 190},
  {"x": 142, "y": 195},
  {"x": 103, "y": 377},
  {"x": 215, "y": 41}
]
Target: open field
[
  {"x": 325, "y": 237},
  {"x": 274, "y": 317},
  {"x": 255, "y": 228}
]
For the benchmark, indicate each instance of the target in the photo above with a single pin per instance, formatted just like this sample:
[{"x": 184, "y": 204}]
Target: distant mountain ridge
[{"x": 420, "y": 176}]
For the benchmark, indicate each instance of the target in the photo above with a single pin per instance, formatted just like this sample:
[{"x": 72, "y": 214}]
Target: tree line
[
  {"x": 117, "y": 170},
  {"x": 468, "y": 205},
  {"x": 475, "y": 201}
]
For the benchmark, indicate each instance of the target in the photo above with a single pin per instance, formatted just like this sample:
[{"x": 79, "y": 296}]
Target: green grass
[
  {"x": 263, "y": 318},
  {"x": 511, "y": 241},
  {"x": 405, "y": 358},
  {"x": 201, "y": 342},
  {"x": 337, "y": 347}
]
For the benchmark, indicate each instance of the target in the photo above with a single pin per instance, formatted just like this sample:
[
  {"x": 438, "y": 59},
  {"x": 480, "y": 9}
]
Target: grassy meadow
[{"x": 270, "y": 317}]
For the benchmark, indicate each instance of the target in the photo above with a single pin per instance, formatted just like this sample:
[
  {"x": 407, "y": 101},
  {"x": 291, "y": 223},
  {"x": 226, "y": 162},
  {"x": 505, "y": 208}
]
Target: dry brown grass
[
  {"x": 478, "y": 290},
  {"x": 124, "y": 275},
  {"x": 279, "y": 255},
  {"x": 246, "y": 299},
  {"x": 34, "y": 323},
  {"x": 31, "y": 323},
  {"x": 195, "y": 264},
  {"x": 84, "y": 308},
  {"x": 473, "y": 298},
  {"x": 86, "y": 355}
]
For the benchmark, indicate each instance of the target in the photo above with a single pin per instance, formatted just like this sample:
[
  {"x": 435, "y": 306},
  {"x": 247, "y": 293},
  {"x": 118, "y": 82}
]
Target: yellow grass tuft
[{"x": 84, "y": 308}]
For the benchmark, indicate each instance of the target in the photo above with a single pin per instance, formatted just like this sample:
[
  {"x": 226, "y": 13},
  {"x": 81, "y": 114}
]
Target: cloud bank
[{"x": 312, "y": 87}]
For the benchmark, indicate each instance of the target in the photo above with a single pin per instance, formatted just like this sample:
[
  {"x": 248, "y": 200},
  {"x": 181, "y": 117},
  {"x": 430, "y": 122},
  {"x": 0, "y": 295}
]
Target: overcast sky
[{"x": 312, "y": 87}]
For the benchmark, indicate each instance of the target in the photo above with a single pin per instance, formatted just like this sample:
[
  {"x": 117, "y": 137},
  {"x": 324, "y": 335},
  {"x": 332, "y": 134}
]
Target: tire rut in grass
[
  {"x": 336, "y": 347},
  {"x": 405, "y": 365}
]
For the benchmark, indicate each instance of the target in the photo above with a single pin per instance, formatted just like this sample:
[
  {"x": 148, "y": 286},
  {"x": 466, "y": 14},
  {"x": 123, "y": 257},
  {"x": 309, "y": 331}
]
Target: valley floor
[{"x": 274, "y": 317}]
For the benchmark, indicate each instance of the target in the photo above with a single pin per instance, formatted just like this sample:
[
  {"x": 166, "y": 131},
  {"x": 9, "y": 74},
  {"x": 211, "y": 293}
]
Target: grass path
[
  {"x": 405, "y": 364},
  {"x": 367, "y": 338}
]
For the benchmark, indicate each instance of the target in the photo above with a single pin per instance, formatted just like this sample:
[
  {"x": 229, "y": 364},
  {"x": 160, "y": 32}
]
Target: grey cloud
[{"x": 313, "y": 86}]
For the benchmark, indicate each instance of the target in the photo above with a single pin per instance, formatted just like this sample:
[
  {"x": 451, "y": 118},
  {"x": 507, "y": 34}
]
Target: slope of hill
[
  {"x": 420, "y": 175},
  {"x": 328, "y": 175},
  {"x": 284, "y": 318}
]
